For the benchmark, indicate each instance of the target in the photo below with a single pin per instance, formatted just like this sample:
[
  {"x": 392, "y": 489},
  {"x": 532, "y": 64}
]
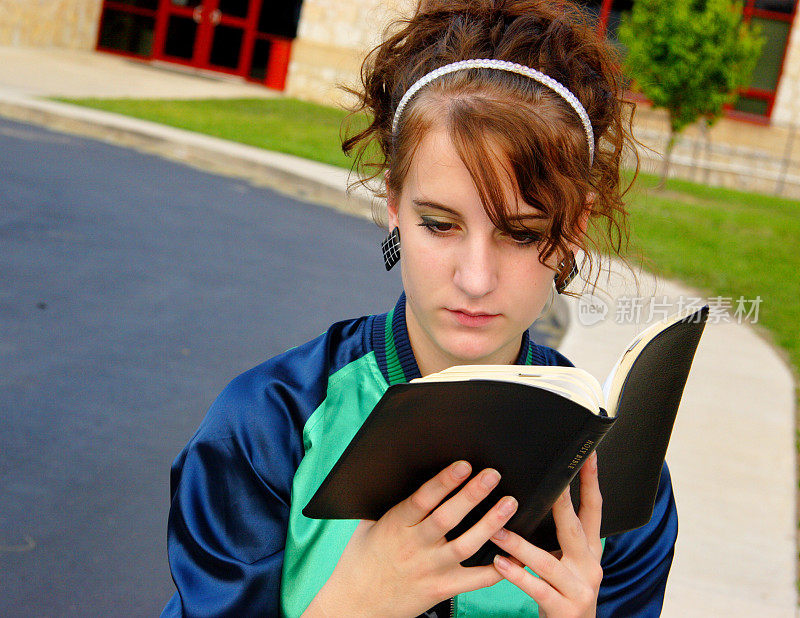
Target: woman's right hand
[{"x": 402, "y": 564}]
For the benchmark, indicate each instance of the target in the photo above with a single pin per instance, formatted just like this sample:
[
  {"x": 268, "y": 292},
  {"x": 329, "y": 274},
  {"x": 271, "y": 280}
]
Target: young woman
[{"x": 499, "y": 132}]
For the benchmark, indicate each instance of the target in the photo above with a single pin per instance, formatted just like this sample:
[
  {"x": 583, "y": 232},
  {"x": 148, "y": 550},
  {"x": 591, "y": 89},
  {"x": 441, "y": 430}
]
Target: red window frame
[{"x": 280, "y": 47}]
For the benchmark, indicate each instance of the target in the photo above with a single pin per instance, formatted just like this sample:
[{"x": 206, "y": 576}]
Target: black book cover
[
  {"x": 630, "y": 458},
  {"x": 536, "y": 439},
  {"x": 533, "y": 437}
]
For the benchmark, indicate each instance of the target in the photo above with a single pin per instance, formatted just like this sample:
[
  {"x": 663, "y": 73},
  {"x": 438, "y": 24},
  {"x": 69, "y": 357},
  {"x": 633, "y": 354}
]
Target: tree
[{"x": 689, "y": 57}]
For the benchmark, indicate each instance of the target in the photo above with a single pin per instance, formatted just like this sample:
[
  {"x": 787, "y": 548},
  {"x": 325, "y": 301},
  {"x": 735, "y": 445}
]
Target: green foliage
[{"x": 690, "y": 56}]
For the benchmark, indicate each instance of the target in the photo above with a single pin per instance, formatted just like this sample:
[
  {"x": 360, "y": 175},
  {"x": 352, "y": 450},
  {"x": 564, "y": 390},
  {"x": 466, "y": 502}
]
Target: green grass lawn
[
  {"x": 284, "y": 125},
  {"x": 727, "y": 243},
  {"x": 723, "y": 242}
]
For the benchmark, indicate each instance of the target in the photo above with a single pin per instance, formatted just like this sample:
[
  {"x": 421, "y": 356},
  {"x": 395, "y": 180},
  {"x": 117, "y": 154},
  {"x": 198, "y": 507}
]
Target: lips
[{"x": 472, "y": 318}]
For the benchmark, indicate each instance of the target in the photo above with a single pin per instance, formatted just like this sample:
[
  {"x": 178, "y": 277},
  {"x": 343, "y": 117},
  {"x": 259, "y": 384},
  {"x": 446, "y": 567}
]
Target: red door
[
  {"x": 182, "y": 31},
  {"x": 221, "y": 35}
]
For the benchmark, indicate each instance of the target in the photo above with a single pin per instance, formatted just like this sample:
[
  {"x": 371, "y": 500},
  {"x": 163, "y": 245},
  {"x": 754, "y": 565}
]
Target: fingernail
[
  {"x": 500, "y": 534},
  {"x": 501, "y": 562},
  {"x": 490, "y": 478},
  {"x": 593, "y": 462},
  {"x": 508, "y": 506},
  {"x": 461, "y": 469}
]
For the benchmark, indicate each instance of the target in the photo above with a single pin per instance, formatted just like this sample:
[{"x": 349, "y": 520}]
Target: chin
[{"x": 471, "y": 352}]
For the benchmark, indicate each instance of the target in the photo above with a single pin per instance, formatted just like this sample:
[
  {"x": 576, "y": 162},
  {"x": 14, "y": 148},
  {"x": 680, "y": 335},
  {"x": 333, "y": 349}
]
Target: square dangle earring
[
  {"x": 567, "y": 263},
  {"x": 391, "y": 249}
]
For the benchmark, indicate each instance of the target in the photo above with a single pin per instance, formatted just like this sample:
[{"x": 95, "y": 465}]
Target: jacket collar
[{"x": 396, "y": 358}]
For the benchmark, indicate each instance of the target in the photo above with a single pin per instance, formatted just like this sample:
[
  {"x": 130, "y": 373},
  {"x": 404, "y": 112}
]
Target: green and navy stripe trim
[
  {"x": 392, "y": 346},
  {"x": 396, "y": 358}
]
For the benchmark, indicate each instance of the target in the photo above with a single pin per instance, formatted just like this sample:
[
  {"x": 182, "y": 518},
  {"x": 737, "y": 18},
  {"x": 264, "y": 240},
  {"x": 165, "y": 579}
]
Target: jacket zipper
[{"x": 452, "y": 606}]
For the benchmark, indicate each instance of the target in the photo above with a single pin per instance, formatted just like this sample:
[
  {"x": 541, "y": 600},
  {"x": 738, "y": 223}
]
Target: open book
[{"x": 535, "y": 425}]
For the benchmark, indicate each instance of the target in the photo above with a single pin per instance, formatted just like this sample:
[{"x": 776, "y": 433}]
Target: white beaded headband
[{"x": 502, "y": 65}]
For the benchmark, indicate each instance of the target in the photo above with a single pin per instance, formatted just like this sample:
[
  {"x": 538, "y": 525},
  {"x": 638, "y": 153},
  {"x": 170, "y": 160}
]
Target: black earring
[
  {"x": 391, "y": 249},
  {"x": 563, "y": 265}
]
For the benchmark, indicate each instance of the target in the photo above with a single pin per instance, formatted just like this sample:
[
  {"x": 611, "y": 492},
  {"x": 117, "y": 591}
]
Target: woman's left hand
[{"x": 566, "y": 587}]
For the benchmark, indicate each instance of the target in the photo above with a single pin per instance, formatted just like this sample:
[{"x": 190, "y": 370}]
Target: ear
[{"x": 391, "y": 204}]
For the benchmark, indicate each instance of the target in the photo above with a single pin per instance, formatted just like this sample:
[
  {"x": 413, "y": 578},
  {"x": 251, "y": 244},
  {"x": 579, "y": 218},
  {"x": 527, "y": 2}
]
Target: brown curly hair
[{"x": 488, "y": 111}]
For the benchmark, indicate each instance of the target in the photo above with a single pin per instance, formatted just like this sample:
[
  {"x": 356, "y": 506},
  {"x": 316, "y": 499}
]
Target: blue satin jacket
[{"x": 238, "y": 543}]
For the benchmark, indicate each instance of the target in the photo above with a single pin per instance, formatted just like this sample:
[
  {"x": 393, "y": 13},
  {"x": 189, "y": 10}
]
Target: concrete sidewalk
[
  {"x": 732, "y": 454},
  {"x": 54, "y": 72}
]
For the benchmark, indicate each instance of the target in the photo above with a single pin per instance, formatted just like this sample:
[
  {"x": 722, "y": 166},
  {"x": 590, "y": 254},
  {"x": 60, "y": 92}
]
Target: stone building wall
[
  {"x": 50, "y": 23},
  {"x": 733, "y": 153},
  {"x": 331, "y": 42}
]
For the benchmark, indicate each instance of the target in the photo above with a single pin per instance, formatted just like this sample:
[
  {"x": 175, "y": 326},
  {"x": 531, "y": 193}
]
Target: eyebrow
[{"x": 438, "y": 206}]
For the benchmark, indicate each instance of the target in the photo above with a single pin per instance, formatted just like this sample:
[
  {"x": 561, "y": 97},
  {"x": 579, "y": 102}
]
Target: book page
[{"x": 569, "y": 382}]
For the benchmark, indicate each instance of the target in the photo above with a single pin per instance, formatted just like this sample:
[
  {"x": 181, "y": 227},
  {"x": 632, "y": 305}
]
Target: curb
[{"x": 295, "y": 176}]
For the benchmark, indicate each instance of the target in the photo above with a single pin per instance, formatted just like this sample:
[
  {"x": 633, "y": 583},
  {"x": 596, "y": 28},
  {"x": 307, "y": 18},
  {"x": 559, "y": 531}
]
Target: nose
[{"x": 476, "y": 268}]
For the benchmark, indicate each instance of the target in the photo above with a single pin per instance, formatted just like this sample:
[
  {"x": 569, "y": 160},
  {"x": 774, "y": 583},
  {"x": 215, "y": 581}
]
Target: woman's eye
[
  {"x": 525, "y": 238},
  {"x": 436, "y": 226}
]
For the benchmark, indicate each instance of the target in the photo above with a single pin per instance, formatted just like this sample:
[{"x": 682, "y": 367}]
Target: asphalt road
[{"x": 132, "y": 289}]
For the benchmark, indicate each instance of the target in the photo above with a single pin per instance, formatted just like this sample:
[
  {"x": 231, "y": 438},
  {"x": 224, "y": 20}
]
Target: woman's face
[{"x": 471, "y": 289}]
